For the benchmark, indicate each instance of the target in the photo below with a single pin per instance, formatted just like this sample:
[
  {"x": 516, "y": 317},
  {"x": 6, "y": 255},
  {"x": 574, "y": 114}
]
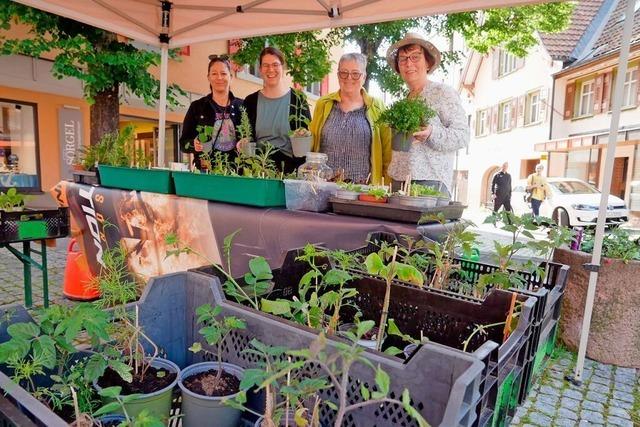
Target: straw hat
[{"x": 409, "y": 39}]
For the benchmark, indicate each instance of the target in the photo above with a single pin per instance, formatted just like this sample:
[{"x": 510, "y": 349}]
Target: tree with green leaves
[
  {"x": 307, "y": 53},
  {"x": 512, "y": 28},
  {"x": 94, "y": 56}
]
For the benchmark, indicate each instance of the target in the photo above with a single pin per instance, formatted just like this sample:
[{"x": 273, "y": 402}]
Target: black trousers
[
  {"x": 285, "y": 163},
  {"x": 504, "y": 200}
]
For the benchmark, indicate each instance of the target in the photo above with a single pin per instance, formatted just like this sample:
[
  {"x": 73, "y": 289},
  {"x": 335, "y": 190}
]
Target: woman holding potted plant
[
  {"x": 429, "y": 161},
  {"x": 276, "y": 110},
  {"x": 211, "y": 122},
  {"x": 345, "y": 126}
]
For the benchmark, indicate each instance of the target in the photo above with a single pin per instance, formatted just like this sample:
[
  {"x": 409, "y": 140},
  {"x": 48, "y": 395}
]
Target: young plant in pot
[
  {"x": 123, "y": 362},
  {"x": 375, "y": 194},
  {"x": 118, "y": 403},
  {"x": 290, "y": 394},
  {"x": 420, "y": 196},
  {"x": 206, "y": 385},
  {"x": 245, "y": 144},
  {"x": 349, "y": 190},
  {"x": 301, "y": 138},
  {"x": 12, "y": 201},
  {"x": 405, "y": 117}
]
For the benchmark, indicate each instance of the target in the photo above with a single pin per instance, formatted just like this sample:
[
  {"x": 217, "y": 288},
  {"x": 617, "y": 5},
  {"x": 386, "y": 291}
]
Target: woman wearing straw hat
[{"x": 430, "y": 159}]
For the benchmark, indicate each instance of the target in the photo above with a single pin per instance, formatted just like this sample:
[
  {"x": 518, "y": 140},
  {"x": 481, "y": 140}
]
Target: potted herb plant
[
  {"x": 405, "y": 117},
  {"x": 420, "y": 196},
  {"x": 375, "y": 194},
  {"x": 205, "y": 385},
  {"x": 301, "y": 138},
  {"x": 246, "y": 146},
  {"x": 349, "y": 191}
]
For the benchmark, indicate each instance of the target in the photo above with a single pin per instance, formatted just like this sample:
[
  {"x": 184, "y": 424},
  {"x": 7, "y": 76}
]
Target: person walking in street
[
  {"x": 501, "y": 189},
  {"x": 539, "y": 189}
]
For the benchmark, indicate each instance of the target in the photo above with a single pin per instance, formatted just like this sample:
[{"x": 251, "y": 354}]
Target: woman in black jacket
[
  {"x": 271, "y": 108},
  {"x": 220, "y": 110}
]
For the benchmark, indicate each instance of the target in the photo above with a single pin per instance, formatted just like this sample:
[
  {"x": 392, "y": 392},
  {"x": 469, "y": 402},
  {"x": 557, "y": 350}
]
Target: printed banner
[{"x": 69, "y": 137}]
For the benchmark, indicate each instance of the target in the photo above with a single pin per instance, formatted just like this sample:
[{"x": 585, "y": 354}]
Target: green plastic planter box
[
  {"x": 238, "y": 190},
  {"x": 152, "y": 180}
]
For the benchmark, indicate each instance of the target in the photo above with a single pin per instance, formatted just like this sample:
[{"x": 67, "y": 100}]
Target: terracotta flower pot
[{"x": 372, "y": 199}]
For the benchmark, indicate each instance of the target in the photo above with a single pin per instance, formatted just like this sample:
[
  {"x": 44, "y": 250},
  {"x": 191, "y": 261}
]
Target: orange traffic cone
[{"x": 77, "y": 277}]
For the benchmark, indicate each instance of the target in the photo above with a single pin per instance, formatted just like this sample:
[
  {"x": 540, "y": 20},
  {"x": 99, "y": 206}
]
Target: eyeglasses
[
  {"x": 355, "y": 75},
  {"x": 274, "y": 66},
  {"x": 414, "y": 58},
  {"x": 223, "y": 57}
]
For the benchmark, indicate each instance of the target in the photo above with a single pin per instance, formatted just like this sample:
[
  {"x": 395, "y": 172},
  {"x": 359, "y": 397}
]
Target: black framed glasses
[
  {"x": 222, "y": 57},
  {"x": 414, "y": 58},
  {"x": 355, "y": 75}
]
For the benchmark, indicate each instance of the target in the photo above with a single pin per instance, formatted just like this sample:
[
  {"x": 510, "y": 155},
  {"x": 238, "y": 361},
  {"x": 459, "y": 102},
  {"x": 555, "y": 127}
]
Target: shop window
[{"x": 18, "y": 146}]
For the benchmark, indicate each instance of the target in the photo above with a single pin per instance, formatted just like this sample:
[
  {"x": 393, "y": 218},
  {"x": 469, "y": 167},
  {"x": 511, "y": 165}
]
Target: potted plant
[
  {"x": 246, "y": 146},
  {"x": 420, "y": 196},
  {"x": 12, "y": 201},
  {"x": 205, "y": 385},
  {"x": 349, "y": 191},
  {"x": 405, "y": 117},
  {"x": 301, "y": 138},
  {"x": 130, "y": 168},
  {"x": 375, "y": 194}
]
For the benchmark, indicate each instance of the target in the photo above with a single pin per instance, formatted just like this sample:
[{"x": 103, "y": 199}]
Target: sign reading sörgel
[{"x": 70, "y": 137}]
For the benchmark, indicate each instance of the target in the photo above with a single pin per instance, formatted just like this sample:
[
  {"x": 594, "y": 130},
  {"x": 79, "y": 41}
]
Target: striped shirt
[{"x": 346, "y": 140}]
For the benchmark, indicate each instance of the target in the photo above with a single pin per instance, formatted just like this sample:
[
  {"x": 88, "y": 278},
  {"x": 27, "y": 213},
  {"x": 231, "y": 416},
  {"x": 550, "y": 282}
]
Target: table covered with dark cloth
[{"x": 101, "y": 217}]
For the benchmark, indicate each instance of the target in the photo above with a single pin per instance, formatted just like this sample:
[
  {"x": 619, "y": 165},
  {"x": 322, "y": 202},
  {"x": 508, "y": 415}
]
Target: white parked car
[{"x": 573, "y": 203}]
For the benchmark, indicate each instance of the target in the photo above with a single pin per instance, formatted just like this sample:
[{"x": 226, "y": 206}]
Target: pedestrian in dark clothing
[{"x": 501, "y": 189}]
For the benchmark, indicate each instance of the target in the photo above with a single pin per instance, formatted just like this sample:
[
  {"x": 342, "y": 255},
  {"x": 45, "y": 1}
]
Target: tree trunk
[
  {"x": 370, "y": 49},
  {"x": 104, "y": 114}
]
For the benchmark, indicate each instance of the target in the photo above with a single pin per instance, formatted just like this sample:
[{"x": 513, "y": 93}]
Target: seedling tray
[
  {"x": 238, "y": 190},
  {"x": 152, "y": 180},
  {"x": 33, "y": 224},
  {"x": 393, "y": 212}
]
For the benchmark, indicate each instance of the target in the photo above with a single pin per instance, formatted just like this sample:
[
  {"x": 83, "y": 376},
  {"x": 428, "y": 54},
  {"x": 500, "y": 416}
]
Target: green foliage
[
  {"x": 12, "y": 200},
  {"x": 418, "y": 190},
  {"x": 244, "y": 130},
  {"x": 307, "y": 53},
  {"x": 378, "y": 192},
  {"x": 616, "y": 244},
  {"x": 407, "y": 115},
  {"x": 350, "y": 186},
  {"x": 92, "y": 55},
  {"x": 301, "y": 121},
  {"x": 144, "y": 418},
  {"x": 114, "y": 280},
  {"x": 259, "y": 166}
]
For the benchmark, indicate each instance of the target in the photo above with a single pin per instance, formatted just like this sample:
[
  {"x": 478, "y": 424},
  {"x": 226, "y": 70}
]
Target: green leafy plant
[
  {"x": 350, "y": 186},
  {"x": 298, "y": 117},
  {"x": 407, "y": 115},
  {"x": 244, "y": 130},
  {"x": 12, "y": 200},
  {"x": 417, "y": 190},
  {"x": 616, "y": 244},
  {"x": 321, "y": 292},
  {"x": 389, "y": 271},
  {"x": 144, "y": 418},
  {"x": 215, "y": 332},
  {"x": 116, "y": 284},
  {"x": 378, "y": 192}
]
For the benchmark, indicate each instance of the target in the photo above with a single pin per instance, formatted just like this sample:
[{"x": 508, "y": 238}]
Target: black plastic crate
[{"x": 33, "y": 224}]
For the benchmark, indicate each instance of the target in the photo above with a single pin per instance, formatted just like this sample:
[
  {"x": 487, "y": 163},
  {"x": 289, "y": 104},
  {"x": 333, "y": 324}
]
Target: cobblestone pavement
[
  {"x": 11, "y": 275},
  {"x": 609, "y": 395}
]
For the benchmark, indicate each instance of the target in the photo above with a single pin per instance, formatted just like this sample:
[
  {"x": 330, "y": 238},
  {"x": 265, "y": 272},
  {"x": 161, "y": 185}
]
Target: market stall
[{"x": 141, "y": 220}]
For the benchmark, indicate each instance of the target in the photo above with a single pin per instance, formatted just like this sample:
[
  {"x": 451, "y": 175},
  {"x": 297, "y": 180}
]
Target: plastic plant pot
[
  {"x": 401, "y": 141},
  {"x": 443, "y": 201},
  {"x": 371, "y": 344},
  {"x": 301, "y": 145},
  {"x": 418, "y": 201},
  {"x": 347, "y": 195},
  {"x": 372, "y": 199}
]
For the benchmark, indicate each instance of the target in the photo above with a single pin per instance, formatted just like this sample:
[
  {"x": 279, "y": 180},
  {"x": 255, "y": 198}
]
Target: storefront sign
[{"x": 69, "y": 137}]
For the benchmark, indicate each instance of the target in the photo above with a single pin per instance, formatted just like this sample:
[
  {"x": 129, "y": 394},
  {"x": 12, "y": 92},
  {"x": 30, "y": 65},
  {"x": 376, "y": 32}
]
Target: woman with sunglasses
[
  {"x": 220, "y": 110},
  {"x": 270, "y": 109},
  {"x": 431, "y": 156},
  {"x": 345, "y": 127}
]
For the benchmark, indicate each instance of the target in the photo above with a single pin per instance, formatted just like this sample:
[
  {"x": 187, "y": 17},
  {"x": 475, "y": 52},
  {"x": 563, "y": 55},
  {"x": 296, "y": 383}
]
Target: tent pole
[
  {"x": 162, "y": 108},
  {"x": 594, "y": 266}
]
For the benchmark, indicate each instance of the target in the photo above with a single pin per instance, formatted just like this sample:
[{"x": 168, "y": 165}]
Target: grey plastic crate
[{"x": 444, "y": 383}]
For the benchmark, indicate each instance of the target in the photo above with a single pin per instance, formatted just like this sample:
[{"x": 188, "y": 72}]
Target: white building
[{"x": 509, "y": 105}]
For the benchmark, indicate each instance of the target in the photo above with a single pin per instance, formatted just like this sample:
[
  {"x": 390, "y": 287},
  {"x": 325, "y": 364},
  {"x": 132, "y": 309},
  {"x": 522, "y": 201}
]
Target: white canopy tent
[{"x": 178, "y": 23}]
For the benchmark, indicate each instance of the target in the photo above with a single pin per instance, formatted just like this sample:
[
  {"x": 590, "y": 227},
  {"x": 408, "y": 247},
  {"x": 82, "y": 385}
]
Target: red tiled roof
[
  {"x": 611, "y": 35},
  {"x": 560, "y": 45}
]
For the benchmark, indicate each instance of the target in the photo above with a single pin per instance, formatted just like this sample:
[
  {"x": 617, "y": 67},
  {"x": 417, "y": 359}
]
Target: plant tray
[
  {"x": 33, "y": 224},
  {"x": 151, "y": 180},
  {"x": 86, "y": 177},
  {"x": 238, "y": 190},
  {"x": 393, "y": 212}
]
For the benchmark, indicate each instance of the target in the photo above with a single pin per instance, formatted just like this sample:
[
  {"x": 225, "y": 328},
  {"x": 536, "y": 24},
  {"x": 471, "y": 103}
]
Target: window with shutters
[
  {"x": 630, "y": 91},
  {"x": 504, "y": 116},
  {"x": 507, "y": 63},
  {"x": 483, "y": 118},
  {"x": 532, "y": 108},
  {"x": 585, "y": 98}
]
